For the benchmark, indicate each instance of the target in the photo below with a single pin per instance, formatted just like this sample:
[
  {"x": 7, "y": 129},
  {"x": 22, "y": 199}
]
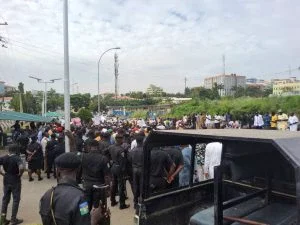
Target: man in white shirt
[
  {"x": 293, "y": 122},
  {"x": 213, "y": 153},
  {"x": 258, "y": 121}
]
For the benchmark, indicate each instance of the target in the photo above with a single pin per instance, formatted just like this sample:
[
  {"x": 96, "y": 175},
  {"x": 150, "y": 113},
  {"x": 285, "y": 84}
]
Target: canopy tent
[
  {"x": 54, "y": 114},
  {"x": 10, "y": 115}
]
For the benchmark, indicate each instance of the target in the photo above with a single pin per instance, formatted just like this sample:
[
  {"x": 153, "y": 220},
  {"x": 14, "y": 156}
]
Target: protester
[
  {"x": 258, "y": 121},
  {"x": 213, "y": 152},
  {"x": 293, "y": 122},
  {"x": 282, "y": 122}
]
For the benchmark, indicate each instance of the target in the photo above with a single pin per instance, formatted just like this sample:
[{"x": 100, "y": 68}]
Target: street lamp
[
  {"x": 39, "y": 80},
  {"x": 98, "y": 76}
]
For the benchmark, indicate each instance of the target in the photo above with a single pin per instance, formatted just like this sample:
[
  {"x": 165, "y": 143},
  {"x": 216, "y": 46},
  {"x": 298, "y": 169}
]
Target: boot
[{"x": 3, "y": 220}]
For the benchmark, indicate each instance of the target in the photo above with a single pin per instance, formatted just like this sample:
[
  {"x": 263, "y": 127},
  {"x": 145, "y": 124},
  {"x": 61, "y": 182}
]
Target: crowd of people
[
  {"x": 257, "y": 120},
  {"x": 111, "y": 154}
]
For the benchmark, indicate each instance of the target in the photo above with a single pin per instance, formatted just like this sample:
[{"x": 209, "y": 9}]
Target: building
[
  {"x": 289, "y": 86},
  {"x": 2, "y": 87},
  {"x": 5, "y": 103},
  {"x": 154, "y": 90},
  {"x": 9, "y": 88},
  {"x": 258, "y": 83},
  {"x": 254, "y": 81},
  {"x": 227, "y": 83}
]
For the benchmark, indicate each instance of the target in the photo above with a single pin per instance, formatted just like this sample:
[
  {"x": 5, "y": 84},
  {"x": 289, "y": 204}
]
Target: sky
[{"x": 161, "y": 41}]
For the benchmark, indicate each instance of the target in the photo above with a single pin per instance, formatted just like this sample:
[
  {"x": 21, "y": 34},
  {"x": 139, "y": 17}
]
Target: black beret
[{"x": 67, "y": 160}]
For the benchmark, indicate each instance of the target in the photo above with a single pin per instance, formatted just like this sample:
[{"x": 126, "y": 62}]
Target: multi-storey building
[
  {"x": 289, "y": 86},
  {"x": 226, "y": 83}
]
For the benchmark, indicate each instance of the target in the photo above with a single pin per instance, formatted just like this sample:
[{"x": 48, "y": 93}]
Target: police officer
[
  {"x": 136, "y": 158},
  {"x": 95, "y": 170},
  {"x": 50, "y": 154},
  {"x": 162, "y": 167},
  {"x": 66, "y": 203},
  {"x": 104, "y": 143},
  {"x": 35, "y": 158},
  {"x": 13, "y": 168},
  {"x": 118, "y": 170}
]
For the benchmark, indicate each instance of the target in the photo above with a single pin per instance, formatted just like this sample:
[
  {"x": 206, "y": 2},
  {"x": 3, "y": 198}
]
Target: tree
[
  {"x": 21, "y": 88},
  {"x": 80, "y": 100},
  {"x": 239, "y": 91},
  {"x": 85, "y": 115},
  {"x": 55, "y": 101}
]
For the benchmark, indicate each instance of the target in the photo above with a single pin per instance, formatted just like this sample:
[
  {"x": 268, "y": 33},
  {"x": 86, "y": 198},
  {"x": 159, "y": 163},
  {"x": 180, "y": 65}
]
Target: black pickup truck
[{"x": 257, "y": 181}]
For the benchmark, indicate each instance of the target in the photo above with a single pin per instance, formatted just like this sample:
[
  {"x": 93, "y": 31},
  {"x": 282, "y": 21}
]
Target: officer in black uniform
[
  {"x": 13, "y": 168},
  {"x": 118, "y": 170},
  {"x": 66, "y": 203},
  {"x": 162, "y": 167},
  {"x": 50, "y": 154},
  {"x": 104, "y": 143},
  {"x": 95, "y": 170},
  {"x": 136, "y": 160}
]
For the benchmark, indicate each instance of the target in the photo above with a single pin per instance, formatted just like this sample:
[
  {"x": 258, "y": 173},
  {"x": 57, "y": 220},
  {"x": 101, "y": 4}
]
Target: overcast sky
[{"x": 162, "y": 41}]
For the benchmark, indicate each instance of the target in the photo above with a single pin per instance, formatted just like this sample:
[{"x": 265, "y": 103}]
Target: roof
[
  {"x": 286, "y": 142},
  {"x": 54, "y": 114},
  {"x": 11, "y": 115}
]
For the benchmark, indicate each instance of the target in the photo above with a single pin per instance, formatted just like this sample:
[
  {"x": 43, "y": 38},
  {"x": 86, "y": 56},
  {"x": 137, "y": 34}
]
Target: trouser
[
  {"x": 50, "y": 164},
  {"x": 137, "y": 184},
  {"x": 157, "y": 184},
  {"x": 118, "y": 184},
  {"x": 89, "y": 193},
  {"x": 15, "y": 190}
]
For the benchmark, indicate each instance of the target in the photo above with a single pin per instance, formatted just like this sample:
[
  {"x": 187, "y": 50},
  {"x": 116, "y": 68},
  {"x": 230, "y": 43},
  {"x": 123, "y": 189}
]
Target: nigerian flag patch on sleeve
[{"x": 84, "y": 208}]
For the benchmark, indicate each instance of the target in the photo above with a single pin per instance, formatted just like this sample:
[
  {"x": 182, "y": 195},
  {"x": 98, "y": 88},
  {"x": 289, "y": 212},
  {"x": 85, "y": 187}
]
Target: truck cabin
[{"x": 254, "y": 182}]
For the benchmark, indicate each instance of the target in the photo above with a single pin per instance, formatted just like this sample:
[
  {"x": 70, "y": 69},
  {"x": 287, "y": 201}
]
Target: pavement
[{"x": 33, "y": 191}]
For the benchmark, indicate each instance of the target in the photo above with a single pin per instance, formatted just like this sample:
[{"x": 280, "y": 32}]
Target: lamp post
[
  {"x": 98, "y": 76},
  {"x": 39, "y": 80}
]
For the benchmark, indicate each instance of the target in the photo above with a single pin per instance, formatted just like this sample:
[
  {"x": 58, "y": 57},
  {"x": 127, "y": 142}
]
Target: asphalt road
[{"x": 32, "y": 192}]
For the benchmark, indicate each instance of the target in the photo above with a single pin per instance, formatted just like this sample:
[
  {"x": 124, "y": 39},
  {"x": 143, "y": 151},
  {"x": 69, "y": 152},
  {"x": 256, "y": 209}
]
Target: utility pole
[
  {"x": 39, "y": 80},
  {"x": 116, "y": 75},
  {"x": 185, "y": 80},
  {"x": 223, "y": 58},
  {"x": 2, "y": 39},
  {"x": 66, "y": 74}
]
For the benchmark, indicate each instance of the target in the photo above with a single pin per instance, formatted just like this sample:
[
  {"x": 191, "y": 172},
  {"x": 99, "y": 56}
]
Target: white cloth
[
  {"x": 208, "y": 121},
  {"x": 133, "y": 144},
  {"x": 293, "y": 122},
  {"x": 44, "y": 144},
  {"x": 258, "y": 121},
  {"x": 213, "y": 152}
]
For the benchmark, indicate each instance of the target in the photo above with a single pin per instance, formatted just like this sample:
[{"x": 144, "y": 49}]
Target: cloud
[{"x": 161, "y": 41}]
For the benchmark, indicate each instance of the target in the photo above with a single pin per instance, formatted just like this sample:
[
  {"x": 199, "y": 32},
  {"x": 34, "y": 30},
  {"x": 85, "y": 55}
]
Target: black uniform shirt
[
  {"x": 136, "y": 156},
  {"x": 69, "y": 205},
  {"x": 117, "y": 153},
  {"x": 59, "y": 149},
  {"x": 50, "y": 147},
  {"x": 39, "y": 151},
  {"x": 160, "y": 163},
  {"x": 176, "y": 155},
  {"x": 11, "y": 165},
  {"x": 95, "y": 167},
  {"x": 103, "y": 148}
]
